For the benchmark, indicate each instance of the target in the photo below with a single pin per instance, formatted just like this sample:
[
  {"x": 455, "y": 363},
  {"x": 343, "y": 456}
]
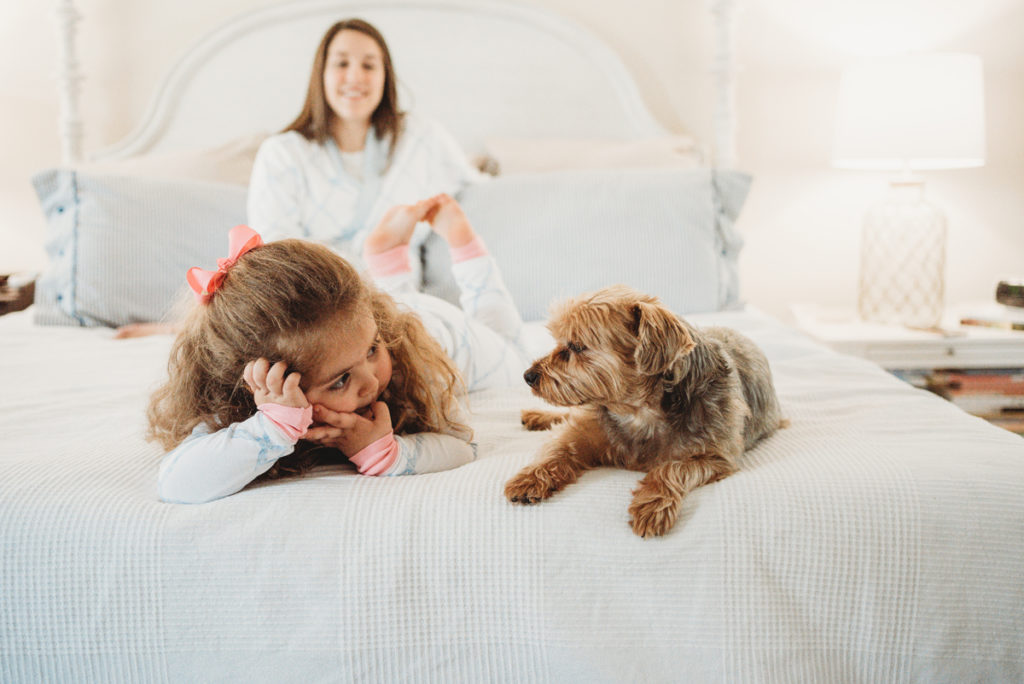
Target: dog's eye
[{"x": 575, "y": 348}]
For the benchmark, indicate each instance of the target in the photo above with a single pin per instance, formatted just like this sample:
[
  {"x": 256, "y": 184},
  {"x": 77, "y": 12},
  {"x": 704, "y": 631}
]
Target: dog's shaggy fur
[{"x": 648, "y": 392}]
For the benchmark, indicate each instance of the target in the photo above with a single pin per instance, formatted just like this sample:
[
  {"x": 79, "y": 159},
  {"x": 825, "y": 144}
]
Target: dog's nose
[{"x": 531, "y": 377}]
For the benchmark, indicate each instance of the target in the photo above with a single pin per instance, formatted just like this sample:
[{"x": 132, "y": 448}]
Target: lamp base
[{"x": 903, "y": 259}]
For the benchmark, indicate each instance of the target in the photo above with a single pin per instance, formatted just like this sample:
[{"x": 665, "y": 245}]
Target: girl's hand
[
  {"x": 350, "y": 432},
  {"x": 270, "y": 386}
]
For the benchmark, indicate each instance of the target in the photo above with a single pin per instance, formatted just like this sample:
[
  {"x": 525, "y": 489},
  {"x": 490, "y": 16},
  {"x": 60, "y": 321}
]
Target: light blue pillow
[
  {"x": 669, "y": 233},
  {"x": 119, "y": 246}
]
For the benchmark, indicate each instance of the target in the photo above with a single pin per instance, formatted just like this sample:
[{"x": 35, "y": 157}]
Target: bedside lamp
[{"x": 906, "y": 114}]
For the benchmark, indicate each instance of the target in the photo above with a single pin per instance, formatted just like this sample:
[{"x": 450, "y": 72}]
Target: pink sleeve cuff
[
  {"x": 377, "y": 457},
  {"x": 471, "y": 250},
  {"x": 293, "y": 421},
  {"x": 395, "y": 260}
]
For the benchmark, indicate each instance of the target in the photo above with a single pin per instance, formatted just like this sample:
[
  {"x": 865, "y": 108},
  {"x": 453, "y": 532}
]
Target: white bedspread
[{"x": 879, "y": 538}]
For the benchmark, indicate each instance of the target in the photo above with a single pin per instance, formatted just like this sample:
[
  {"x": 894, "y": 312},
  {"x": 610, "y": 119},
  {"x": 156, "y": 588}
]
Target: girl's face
[
  {"x": 353, "y": 76},
  {"x": 354, "y": 375}
]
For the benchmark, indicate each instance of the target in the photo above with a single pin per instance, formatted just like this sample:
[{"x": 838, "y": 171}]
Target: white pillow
[
  {"x": 534, "y": 155},
  {"x": 228, "y": 163},
  {"x": 666, "y": 232}
]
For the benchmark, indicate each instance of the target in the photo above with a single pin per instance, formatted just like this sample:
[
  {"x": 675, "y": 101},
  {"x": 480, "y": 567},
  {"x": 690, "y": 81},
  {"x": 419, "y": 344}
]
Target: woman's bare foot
[
  {"x": 144, "y": 330},
  {"x": 448, "y": 221},
  {"x": 396, "y": 226}
]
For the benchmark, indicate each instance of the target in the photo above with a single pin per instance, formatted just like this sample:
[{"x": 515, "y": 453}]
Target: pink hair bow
[{"x": 204, "y": 283}]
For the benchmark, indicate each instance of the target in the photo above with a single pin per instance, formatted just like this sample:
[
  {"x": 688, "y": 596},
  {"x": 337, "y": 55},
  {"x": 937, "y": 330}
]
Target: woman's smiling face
[{"x": 354, "y": 76}]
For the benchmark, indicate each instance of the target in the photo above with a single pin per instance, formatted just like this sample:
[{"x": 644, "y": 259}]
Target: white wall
[{"x": 802, "y": 220}]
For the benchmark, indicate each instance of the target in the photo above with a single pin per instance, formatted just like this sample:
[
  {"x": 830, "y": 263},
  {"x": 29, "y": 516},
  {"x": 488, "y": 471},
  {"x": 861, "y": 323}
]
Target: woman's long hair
[
  {"x": 313, "y": 122},
  {"x": 279, "y": 302}
]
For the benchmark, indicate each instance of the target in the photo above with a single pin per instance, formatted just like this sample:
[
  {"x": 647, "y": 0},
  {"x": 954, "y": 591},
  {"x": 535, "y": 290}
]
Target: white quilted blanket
[{"x": 880, "y": 538}]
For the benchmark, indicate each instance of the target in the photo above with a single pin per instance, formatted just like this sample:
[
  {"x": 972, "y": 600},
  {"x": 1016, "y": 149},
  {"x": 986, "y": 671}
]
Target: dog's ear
[{"x": 662, "y": 339}]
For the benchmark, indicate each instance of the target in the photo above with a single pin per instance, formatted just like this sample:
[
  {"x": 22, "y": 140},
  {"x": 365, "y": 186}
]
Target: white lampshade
[{"x": 911, "y": 112}]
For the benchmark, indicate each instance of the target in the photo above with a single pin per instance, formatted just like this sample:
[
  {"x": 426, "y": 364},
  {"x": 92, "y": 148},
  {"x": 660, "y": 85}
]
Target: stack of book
[{"x": 995, "y": 394}]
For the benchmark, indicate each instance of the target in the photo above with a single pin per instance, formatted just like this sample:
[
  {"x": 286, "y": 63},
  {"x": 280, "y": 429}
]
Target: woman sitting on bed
[
  {"x": 331, "y": 175},
  {"x": 351, "y": 153},
  {"x": 289, "y": 349}
]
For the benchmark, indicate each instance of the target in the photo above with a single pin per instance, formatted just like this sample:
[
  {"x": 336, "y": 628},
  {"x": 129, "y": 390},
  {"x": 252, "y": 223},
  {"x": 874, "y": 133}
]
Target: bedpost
[
  {"x": 69, "y": 78},
  {"x": 724, "y": 70}
]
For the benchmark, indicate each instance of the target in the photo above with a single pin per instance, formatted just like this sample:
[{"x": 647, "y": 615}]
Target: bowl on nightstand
[{"x": 17, "y": 291}]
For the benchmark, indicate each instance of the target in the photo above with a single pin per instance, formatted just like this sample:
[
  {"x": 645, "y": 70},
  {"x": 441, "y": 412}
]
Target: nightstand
[
  {"x": 979, "y": 369},
  {"x": 16, "y": 292}
]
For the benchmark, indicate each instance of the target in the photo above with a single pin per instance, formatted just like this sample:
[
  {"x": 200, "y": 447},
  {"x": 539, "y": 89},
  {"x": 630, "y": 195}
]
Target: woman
[
  {"x": 348, "y": 157},
  {"x": 351, "y": 153}
]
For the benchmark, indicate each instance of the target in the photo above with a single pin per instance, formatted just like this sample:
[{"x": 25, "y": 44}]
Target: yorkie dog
[{"x": 648, "y": 392}]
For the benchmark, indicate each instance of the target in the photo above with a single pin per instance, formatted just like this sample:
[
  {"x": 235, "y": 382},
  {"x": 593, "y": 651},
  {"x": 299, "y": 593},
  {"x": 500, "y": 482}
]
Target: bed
[{"x": 880, "y": 537}]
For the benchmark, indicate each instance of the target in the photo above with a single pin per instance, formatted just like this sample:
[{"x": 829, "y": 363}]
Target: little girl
[{"x": 289, "y": 349}]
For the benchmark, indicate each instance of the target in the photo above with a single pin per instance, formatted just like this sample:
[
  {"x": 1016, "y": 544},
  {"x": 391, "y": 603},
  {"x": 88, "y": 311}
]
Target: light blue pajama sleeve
[
  {"x": 430, "y": 452},
  {"x": 211, "y": 465}
]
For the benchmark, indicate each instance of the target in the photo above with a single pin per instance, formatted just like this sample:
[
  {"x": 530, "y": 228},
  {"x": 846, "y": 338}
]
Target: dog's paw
[
  {"x": 529, "y": 487},
  {"x": 534, "y": 419},
  {"x": 652, "y": 516}
]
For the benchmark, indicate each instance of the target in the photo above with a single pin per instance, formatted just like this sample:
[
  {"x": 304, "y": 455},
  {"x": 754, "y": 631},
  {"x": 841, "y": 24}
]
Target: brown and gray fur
[{"x": 647, "y": 391}]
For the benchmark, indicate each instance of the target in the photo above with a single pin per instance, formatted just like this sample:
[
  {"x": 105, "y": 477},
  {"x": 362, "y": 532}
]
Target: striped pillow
[{"x": 119, "y": 245}]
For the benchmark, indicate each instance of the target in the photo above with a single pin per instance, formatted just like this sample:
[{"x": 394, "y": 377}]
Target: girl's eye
[
  {"x": 369, "y": 67},
  {"x": 340, "y": 382},
  {"x": 373, "y": 350}
]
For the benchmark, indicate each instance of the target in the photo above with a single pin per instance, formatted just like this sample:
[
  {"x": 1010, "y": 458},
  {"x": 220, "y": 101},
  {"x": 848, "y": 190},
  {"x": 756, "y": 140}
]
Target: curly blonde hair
[{"x": 277, "y": 302}]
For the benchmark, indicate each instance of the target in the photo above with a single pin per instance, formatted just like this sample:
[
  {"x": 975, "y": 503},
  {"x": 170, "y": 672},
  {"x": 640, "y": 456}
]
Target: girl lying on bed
[{"x": 288, "y": 350}]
